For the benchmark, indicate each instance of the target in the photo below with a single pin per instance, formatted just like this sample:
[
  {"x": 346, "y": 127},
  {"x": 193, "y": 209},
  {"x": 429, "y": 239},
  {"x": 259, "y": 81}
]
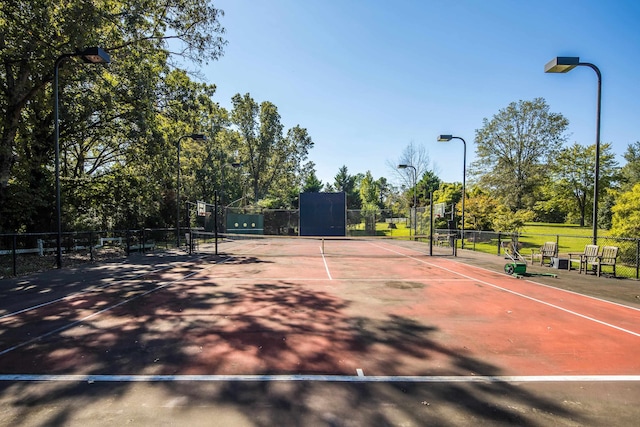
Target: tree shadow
[{"x": 157, "y": 326}]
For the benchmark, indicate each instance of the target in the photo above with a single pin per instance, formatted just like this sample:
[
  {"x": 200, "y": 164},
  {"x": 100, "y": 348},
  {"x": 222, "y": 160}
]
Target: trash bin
[{"x": 560, "y": 263}]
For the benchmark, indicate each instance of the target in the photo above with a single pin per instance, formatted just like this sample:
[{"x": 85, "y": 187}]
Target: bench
[
  {"x": 149, "y": 244},
  {"x": 442, "y": 239},
  {"x": 548, "y": 250},
  {"x": 583, "y": 258},
  {"x": 606, "y": 258},
  {"x": 116, "y": 240}
]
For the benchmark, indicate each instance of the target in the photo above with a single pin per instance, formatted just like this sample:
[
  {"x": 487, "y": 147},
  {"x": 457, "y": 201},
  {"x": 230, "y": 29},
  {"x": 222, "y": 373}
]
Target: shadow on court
[{"x": 164, "y": 325}]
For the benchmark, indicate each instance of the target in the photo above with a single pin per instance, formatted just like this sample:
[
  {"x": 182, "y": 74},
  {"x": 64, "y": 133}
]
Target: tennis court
[{"x": 309, "y": 331}]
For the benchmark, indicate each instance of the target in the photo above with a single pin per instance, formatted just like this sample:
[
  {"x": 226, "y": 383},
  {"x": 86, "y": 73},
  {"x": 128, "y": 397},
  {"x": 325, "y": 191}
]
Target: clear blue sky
[{"x": 366, "y": 78}]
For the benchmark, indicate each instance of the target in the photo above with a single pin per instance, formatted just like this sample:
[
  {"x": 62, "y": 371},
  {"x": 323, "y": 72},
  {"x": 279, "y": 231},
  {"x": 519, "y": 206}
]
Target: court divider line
[
  {"x": 566, "y": 310},
  {"x": 486, "y": 379},
  {"x": 104, "y": 310},
  {"x": 324, "y": 259}
]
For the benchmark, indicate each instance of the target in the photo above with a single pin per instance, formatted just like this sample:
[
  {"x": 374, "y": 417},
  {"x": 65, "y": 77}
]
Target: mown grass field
[{"x": 569, "y": 237}]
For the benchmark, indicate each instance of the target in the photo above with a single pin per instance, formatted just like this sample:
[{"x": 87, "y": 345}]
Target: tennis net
[{"x": 308, "y": 246}]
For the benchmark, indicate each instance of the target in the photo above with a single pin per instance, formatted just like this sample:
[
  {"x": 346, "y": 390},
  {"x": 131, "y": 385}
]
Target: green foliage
[
  {"x": 480, "y": 208},
  {"x": 369, "y": 190},
  {"x": 448, "y": 193},
  {"x": 510, "y": 222},
  {"x": 630, "y": 172},
  {"x": 514, "y": 149},
  {"x": 605, "y": 206},
  {"x": 626, "y": 214},
  {"x": 550, "y": 210},
  {"x": 573, "y": 176},
  {"x": 312, "y": 184},
  {"x": 109, "y": 116},
  {"x": 428, "y": 184},
  {"x": 343, "y": 181},
  {"x": 272, "y": 161}
]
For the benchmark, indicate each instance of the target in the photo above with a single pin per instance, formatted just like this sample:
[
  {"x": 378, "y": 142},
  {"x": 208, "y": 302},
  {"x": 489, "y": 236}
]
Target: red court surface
[{"x": 352, "y": 332}]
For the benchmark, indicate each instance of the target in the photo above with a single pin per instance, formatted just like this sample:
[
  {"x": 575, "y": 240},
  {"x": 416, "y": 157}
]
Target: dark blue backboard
[{"x": 323, "y": 214}]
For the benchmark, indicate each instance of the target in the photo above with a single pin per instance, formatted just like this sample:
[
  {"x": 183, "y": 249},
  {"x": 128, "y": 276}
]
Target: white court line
[
  {"x": 323, "y": 378},
  {"x": 104, "y": 310},
  {"x": 326, "y": 267},
  {"x": 348, "y": 279},
  {"x": 592, "y": 319},
  {"x": 95, "y": 289},
  {"x": 563, "y": 290}
]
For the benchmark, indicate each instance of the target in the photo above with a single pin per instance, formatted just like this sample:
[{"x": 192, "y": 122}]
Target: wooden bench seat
[
  {"x": 583, "y": 258},
  {"x": 548, "y": 250},
  {"x": 607, "y": 258}
]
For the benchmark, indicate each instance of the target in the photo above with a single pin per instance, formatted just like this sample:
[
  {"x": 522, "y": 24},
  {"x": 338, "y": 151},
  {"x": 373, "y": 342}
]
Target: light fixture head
[
  {"x": 562, "y": 64},
  {"x": 95, "y": 55},
  {"x": 198, "y": 136},
  {"x": 403, "y": 166},
  {"x": 444, "y": 138}
]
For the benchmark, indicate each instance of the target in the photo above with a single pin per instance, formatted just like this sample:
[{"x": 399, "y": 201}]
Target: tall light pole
[
  {"x": 415, "y": 199},
  {"x": 445, "y": 138},
  {"x": 564, "y": 64},
  {"x": 92, "y": 55},
  {"x": 198, "y": 137}
]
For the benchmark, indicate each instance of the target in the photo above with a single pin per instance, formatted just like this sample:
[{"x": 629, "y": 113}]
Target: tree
[
  {"x": 480, "y": 209},
  {"x": 386, "y": 191},
  {"x": 626, "y": 214},
  {"x": 104, "y": 111},
  {"x": 312, "y": 184},
  {"x": 505, "y": 220},
  {"x": 514, "y": 149},
  {"x": 369, "y": 197},
  {"x": 428, "y": 184},
  {"x": 271, "y": 159},
  {"x": 630, "y": 172},
  {"x": 573, "y": 175},
  {"x": 450, "y": 195},
  {"x": 343, "y": 181},
  {"x": 414, "y": 155},
  {"x": 369, "y": 190}
]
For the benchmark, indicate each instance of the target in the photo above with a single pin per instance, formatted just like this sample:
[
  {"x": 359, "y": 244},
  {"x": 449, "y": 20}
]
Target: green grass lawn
[
  {"x": 533, "y": 235},
  {"x": 563, "y": 229},
  {"x": 382, "y": 229},
  {"x": 570, "y": 238}
]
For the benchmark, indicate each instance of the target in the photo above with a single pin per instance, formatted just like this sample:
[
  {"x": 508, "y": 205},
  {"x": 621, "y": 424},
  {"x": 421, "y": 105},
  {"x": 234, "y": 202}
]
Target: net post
[
  {"x": 431, "y": 223},
  {"x": 322, "y": 250},
  {"x": 215, "y": 219}
]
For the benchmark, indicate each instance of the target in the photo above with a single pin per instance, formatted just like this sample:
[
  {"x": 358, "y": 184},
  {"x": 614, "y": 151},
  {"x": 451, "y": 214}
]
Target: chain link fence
[
  {"x": 627, "y": 263},
  {"x": 21, "y": 253}
]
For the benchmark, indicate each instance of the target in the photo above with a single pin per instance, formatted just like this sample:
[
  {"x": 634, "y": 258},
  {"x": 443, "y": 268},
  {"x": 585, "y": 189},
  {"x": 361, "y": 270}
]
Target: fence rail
[
  {"x": 22, "y": 253},
  {"x": 627, "y": 265}
]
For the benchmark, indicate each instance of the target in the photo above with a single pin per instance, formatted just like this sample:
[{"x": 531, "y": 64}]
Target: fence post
[
  {"x": 499, "y": 242},
  {"x": 431, "y": 223},
  {"x": 637, "y": 257},
  {"x": 91, "y": 246},
  {"x": 128, "y": 237},
  {"x": 14, "y": 245}
]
